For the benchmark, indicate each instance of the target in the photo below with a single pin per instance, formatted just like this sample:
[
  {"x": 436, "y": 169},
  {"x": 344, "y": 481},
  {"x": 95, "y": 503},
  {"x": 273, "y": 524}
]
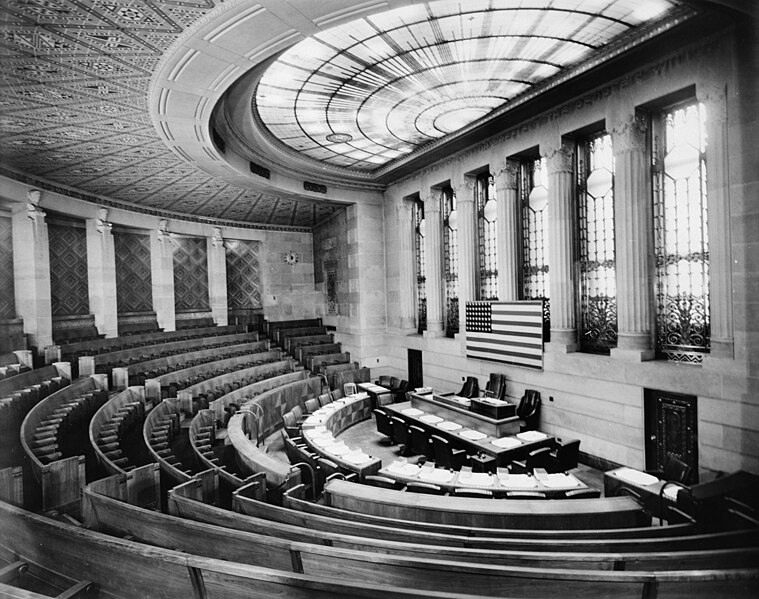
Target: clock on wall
[{"x": 291, "y": 258}]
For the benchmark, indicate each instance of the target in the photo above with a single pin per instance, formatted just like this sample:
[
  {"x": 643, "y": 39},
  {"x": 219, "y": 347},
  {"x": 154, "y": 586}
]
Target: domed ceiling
[{"x": 358, "y": 95}]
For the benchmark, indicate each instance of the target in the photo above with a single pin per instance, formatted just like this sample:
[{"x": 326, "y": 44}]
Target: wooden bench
[
  {"x": 293, "y": 343},
  {"x": 355, "y": 375},
  {"x": 194, "y": 500},
  {"x": 127, "y": 569},
  {"x": 315, "y": 362},
  {"x": 160, "y": 433},
  {"x": 604, "y": 512},
  {"x": 282, "y": 335},
  {"x": 271, "y": 327},
  {"x": 425, "y": 571}
]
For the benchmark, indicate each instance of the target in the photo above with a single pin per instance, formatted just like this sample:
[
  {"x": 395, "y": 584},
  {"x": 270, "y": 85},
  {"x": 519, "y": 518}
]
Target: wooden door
[
  {"x": 671, "y": 428},
  {"x": 415, "y": 375}
]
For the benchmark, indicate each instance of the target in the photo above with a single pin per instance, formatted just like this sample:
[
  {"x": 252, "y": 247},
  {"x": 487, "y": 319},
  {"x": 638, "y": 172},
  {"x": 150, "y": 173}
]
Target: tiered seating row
[
  {"x": 423, "y": 567},
  {"x": 161, "y": 428},
  {"x": 117, "y": 418},
  {"x": 125, "y": 568}
]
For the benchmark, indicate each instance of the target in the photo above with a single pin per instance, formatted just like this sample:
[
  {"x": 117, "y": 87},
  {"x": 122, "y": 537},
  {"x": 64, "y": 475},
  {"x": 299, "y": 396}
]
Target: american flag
[{"x": 508, "y": 332}]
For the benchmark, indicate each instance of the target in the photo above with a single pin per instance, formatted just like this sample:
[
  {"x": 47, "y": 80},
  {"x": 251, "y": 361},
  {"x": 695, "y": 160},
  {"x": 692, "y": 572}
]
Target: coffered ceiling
[{"x": 77, "y": 74}]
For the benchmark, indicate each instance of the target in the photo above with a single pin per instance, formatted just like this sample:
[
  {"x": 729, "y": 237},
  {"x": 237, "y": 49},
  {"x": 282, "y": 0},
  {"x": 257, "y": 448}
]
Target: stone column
[
  {"x": 633, "y": 226},
  {"x": 508, "y": 226},
  {"x": 561, "y": 258},
  {"x": 31, "y": 270},
  {"x": 718, "y": 209},
  {"x": 162, "y": 272},
  {"x": 217, "y": 278},
  {"x": 404, "y": 220},
  {"x": 467, "y": 245},
  {"x": 101, "y": 274},
  {"x": 433, "y": 256}
]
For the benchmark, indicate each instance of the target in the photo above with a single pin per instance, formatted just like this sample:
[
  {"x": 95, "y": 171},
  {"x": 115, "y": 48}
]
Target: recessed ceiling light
[{"x": 339, "y": 137}]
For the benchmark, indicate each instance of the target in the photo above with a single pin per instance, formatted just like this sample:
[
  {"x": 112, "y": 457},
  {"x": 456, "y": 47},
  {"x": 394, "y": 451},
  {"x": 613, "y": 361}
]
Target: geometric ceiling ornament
[{"x": 362, "y": 94}]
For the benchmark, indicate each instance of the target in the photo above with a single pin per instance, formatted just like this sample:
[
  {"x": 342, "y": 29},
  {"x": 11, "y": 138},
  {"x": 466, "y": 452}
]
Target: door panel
[
  {"x": 671, "y": 428},
  {"x": 415, "y": 374}
]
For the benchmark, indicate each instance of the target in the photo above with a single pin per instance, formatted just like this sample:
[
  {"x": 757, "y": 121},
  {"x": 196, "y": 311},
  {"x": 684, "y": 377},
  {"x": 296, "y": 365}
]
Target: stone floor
[{"x": 364, "y": 435}]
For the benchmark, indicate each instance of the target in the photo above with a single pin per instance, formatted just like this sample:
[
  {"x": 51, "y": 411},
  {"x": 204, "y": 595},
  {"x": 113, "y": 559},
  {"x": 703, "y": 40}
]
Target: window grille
[
  {"x": 681, "y": 243},
  {"x": 485, "y": 198},
  {"x": 597, "y": 261},
  {"x": 450, "y": 261},
  {"x": 421, "y": 292},
  {"x": 533, "y": 190}
]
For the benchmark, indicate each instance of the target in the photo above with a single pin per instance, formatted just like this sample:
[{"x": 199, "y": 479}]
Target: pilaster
[
  {"x": 31, "y": 270},
  {"x": 101, "y": 274},
  {"x": 508, "y": 225},
  {"x": 467, "y": 245},
  {"x": 718, "y": 206},
  {"x": 433, "y": 255},
  {"x": 406, "y": 261},
  {"x": 632, "y": 221},
  {"x": 217, "y": 278},
  {"x": 561, "y": 255},
  {"x": 162, "y": 271}
]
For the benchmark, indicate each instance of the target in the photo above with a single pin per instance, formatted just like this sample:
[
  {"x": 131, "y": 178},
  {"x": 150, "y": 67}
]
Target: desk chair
[
  {"x": 383, "y": 482},
  {"x": 426, "y": 488},
  {"x": 674, "y": 469},
  {"x": 383, "y": 381},
  {"x": 582, "y": 494},
  {"x": 350, "y": 388},
  {"x": 312, "y": 405},
  {"x": 564, "y": 456},
  {"x": 384, "y": 426},
  {"x": 337, "y": 394},
  {"x": 471, "y": 387},
  {"x": 476, "y": 493},
  {"x": 324, "y": 399},
  {"x": 528, "y": 410},
  {"x": 400, "y": 434},
  {"x": 538, "y": 458},
  {"x": 446, "y": 456},
  {"x": 384, "y": 399},
  {"x": 526, "y": 495},
  {"x": 399, "y": 392},
  {"x": 291, "y": 426},
  {"x": 419, "y": 443}
]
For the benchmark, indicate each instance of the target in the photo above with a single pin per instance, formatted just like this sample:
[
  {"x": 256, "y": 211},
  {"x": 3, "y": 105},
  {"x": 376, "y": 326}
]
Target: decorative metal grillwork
[
  {"x": 485, "y": 198},
  {"x": 450, "y": 261},
  {"x": 597, "y": 267},
  {"x": 332, "y": 292},
  {"x": 681, "y": 237},
  {"x": 533, "y": 190},
  {"x": 421, "y": 293}
]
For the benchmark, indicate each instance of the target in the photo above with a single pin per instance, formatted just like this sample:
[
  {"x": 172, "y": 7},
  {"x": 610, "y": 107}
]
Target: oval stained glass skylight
[{"x": 399, "y": 79}]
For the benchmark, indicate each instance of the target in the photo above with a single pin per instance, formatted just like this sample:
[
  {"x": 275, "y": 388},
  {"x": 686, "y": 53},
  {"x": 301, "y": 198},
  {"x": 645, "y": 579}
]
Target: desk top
[
  {"x": 321, "y": 426},
  {"x": 504, "y": 448},
  {"x": 501, "y": 483}
]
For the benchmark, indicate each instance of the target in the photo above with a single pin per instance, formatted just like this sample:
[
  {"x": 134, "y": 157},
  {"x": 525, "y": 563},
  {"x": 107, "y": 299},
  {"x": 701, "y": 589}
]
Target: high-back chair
[
  {"x": 419, "y": 442},
  {"x": 384, "y": 426},
  {"x": 675, "y": 470},
  {"x": 400, "y": 434},
  {"x": 564, "y": 456},
  {"x": 471, "y": 387},
  {"x": 446, "y": 456},
  {"x": 384, "y": 381},
  {"x": 384, "y": 399},
  {"x": 312, "y": 404}
]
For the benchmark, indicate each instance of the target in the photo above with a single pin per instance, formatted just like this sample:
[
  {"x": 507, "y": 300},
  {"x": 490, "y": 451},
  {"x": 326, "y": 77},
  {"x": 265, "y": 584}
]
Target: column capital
[
  {"x": 101, "y": 222},
  {"x": 33, "y": 210},
  {"x": 216, "y": 239},
  {"x": 464, "y": 189},
  {"x": 560, "y": 158},
  {"x": 403, "y": 210},
  {"x": 431, "y": 203},
  {"x": 163, "y": 233},
  {"x": 629, "y": 134},
  {"x": 506, "y": 174},
  {"x": 713, "y": 95}
]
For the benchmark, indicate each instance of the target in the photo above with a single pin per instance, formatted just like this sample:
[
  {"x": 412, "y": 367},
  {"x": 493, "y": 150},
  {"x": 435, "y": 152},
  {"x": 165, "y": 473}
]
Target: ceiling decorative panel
[
  {"x": 74, "y": 80},
  {"x": 364, "y": 93}
]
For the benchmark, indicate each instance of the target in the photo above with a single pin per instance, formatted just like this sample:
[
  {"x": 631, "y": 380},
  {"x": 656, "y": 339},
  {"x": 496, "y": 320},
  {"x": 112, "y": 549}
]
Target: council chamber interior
[{"x": 382, "y": 299}]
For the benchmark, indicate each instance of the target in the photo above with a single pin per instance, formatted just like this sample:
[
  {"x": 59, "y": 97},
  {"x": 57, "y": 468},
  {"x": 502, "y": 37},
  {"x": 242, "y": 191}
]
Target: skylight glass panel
[{"x": 402, "y": 78}]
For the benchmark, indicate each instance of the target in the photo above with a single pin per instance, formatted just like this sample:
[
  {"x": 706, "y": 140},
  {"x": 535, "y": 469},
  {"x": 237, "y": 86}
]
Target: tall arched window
[
  {"x": 597, "y": 267},
  {"x": 485, "y": 199},
  {"x": 421, "y": 290},
  {"x": 681, "y": 241},
  {"x": 450, "y": 261},
  {"x": 533, "y": 193}
]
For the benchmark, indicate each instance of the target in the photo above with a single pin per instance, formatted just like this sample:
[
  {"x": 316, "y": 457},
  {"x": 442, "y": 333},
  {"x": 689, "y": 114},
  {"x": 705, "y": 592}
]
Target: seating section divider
[
  {"x": 120, "y": 416},
  {"x": 54, "y": 439}
]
